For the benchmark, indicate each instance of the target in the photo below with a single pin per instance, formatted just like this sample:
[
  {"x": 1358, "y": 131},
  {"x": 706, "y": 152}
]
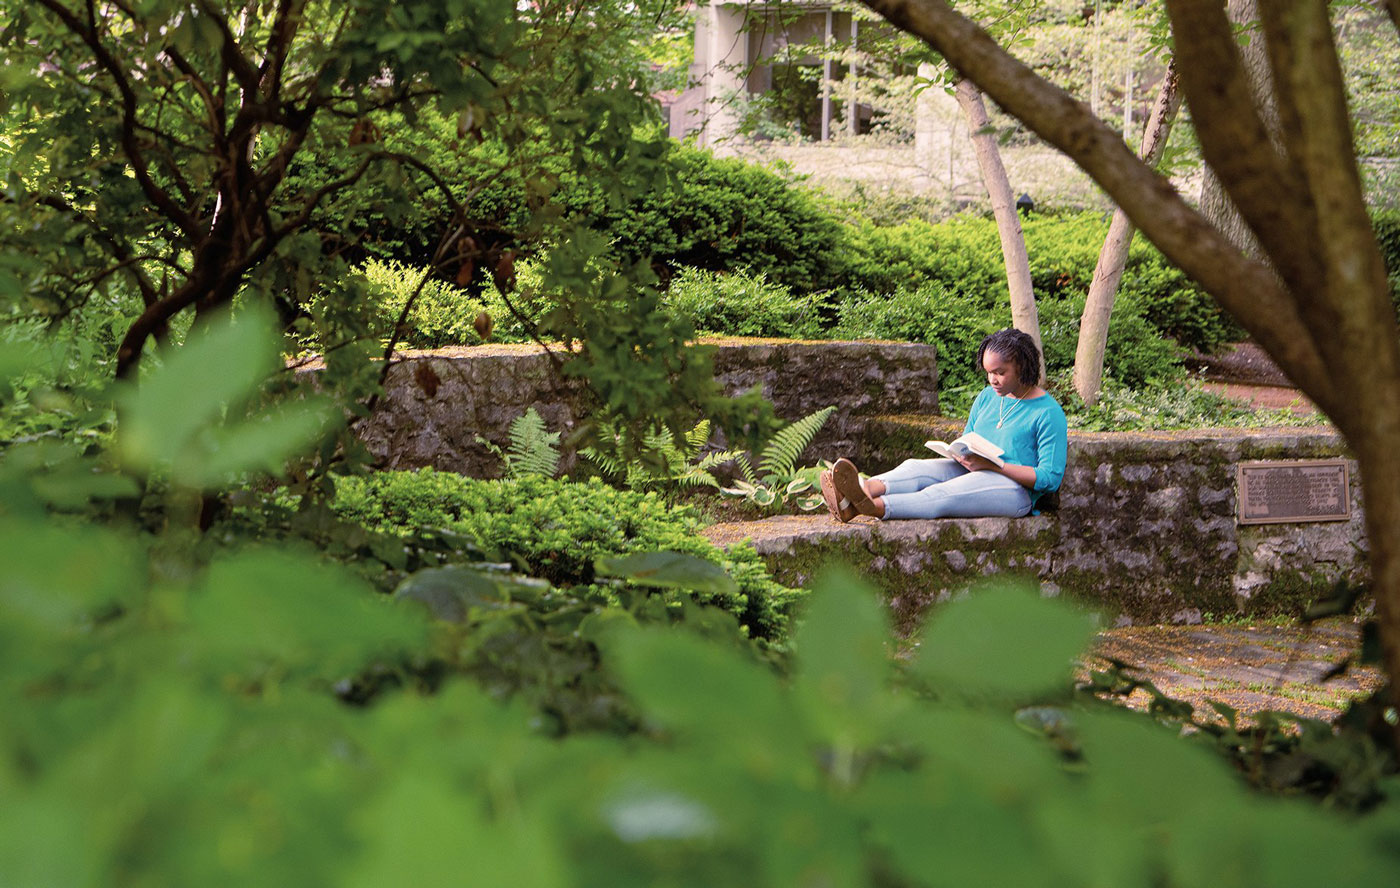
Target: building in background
[{"x": 750, "y": 53}]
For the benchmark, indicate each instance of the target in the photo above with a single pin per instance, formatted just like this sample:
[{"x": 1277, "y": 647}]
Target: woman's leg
[
  {"x": 970, "y": 495},
  {"x": 915, "y": 474}
]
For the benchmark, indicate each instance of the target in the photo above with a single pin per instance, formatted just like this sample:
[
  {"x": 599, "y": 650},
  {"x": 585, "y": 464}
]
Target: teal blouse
[{"x": 1033, "y": 433}]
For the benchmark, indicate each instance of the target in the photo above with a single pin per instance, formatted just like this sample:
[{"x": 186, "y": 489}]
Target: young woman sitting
[{"x": 1013, "y": 412}]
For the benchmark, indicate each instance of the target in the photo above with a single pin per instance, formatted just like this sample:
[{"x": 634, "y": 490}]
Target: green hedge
[
  {"x": 742, "y": 303},
  {"x": 722, "y": 214},
  {"x": 442, "y": 314},
  {"x": 1136, "y": 356},
  {"x": 1387, "y": 225},
  {"x": 559, "y": 528},
  {"x": 930, "y": 314},
  {"x": 963, "y": 257}
]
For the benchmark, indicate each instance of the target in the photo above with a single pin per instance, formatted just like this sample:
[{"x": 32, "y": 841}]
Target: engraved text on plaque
[{"x": 1293, "y": 491}]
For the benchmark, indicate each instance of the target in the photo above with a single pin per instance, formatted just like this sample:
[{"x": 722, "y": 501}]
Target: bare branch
[
  {"x": 279, "y": 44},
  {"x": 230, "y": 53},
  {"x": 1317, "y": 133},
  {"x": 1235, "y": 141},
  {"x": 213, "y": 105},
  {"x": 118, "y": 250},
  {"x": 155, "y": 318},
  {"x": 130, "y": 144}
]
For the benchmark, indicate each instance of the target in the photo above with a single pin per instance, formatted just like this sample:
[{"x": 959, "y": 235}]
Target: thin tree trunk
[
  {"x": 1380, "y": 489},
  {"x": 1098, "y": 307},
  {"x": 1024, "y": 316}
]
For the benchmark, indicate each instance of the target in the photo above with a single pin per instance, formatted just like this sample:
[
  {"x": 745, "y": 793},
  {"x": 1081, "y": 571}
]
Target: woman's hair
[{"x": 1016, "y": 347}]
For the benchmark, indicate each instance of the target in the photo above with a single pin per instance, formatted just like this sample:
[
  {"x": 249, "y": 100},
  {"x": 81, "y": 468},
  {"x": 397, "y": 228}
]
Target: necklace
[{"x": 1002, "y": 412}]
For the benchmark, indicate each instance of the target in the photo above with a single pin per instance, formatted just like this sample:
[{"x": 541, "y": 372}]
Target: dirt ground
[{"x": 1244, "y": 371}]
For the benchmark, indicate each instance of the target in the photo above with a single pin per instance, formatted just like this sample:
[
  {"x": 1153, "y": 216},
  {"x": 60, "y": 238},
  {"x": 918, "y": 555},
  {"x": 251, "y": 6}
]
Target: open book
[{"x": 969, "y": 443}]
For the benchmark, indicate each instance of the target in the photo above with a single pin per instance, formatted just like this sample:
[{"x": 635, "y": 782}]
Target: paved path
[{"x": 1248, "y": 667}]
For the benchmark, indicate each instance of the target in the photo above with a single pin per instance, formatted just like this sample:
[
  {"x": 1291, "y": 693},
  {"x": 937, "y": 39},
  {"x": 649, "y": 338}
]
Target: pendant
[{"x": 998, "y": 423}]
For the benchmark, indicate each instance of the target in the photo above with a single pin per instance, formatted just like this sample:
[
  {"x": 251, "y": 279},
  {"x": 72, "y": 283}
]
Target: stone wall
[
  {"x": 1145, "y": 529},
  {"x": 437, "y": 403},
  {"x": 1144, "y": 526}
]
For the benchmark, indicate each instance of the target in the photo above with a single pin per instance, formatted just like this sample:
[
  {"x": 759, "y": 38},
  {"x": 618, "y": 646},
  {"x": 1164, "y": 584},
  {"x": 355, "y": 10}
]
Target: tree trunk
[
  {"x": 1024, "y": 316},
  {"x": 1320, "y": 304},
  {"x": 1215, "y": 202},
  {"x": 1098, "y": 307}
]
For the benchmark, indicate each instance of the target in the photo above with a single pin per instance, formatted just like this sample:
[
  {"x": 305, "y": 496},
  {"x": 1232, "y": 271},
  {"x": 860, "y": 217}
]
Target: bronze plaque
[{"x": 1294, "y": 491}]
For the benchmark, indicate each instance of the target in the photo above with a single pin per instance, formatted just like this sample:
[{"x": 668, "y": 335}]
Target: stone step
[
  {"x": 1146, "y": 530},
  {"x": 917, "y": 563}
]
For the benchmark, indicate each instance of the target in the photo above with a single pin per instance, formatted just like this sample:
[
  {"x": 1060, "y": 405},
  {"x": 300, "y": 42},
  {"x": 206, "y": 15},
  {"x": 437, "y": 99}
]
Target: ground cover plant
[{"x": 558, "y": 529}]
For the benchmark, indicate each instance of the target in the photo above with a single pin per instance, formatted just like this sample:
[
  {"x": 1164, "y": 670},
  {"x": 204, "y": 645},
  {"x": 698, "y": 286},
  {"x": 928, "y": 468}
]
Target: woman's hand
[{"x": 974, "y": 463}]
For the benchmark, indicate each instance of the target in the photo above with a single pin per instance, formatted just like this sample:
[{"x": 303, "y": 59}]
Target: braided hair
[{"x": 1018, "y": 348}]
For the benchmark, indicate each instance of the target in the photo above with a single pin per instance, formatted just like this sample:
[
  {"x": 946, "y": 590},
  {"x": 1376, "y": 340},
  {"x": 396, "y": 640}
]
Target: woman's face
[{"x": 1002, "y": 373}]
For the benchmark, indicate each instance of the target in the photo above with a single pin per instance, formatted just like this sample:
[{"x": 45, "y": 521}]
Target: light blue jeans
[{"x": 942, "y": 488}]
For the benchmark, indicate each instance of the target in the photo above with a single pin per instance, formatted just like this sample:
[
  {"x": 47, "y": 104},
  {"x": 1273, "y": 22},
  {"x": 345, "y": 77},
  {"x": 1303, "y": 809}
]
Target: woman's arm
[
  {"x": 1022, "y": 475},
  {"x": 1049, "y": 433}
]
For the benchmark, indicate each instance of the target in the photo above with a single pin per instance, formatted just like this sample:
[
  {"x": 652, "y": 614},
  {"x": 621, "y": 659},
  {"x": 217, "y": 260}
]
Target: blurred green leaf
[
  {"x": 670, "y": 570},
  {"x": 267, "y": 612},
  {"x": 184, "y": 414},
  {"x": 423, "y": 831},
  {"x": 78, "y": 483},
  {"x": 124, "y": 772},
  {"x": 708, "y": 694},
  {"x": 843, "y": 659},
  {"x": 938, "y": 826},
  {"x": 1003, "y": 641},
  {"x": 56, "y": 578},
  {"x": 260, "y": 444},
  {"x": 222, "y": 361},
  {"x": 450, "y": 593}
]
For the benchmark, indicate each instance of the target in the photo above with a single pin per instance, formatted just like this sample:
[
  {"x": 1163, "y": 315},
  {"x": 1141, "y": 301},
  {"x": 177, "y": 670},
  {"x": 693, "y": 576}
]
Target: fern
[
  {"x": 697, "y": 437},
  {"x": 608, "y": 461},
  {"x": 780, "y": 455},
  {"x": 746, "y": 469},
  {"x": 663, "y": 458},
  {"x": 533, "y": 450},
  {"x": 781, "y": 481}
]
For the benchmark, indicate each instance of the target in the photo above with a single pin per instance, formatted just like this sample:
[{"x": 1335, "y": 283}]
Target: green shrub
[
  {"x": 1184, "y": 406},
  {"x": 559, "y": 528},
  {"x": 742, "y": 303},
  {"x": 442, "y": 314},
  {"x": 721, "y": 214},
  {"x": 963, "y": 256},
  {"x": 1387, "y": 226},
  {"x": 1135, "y": 354},
  {"x": 933, "y": 315}
]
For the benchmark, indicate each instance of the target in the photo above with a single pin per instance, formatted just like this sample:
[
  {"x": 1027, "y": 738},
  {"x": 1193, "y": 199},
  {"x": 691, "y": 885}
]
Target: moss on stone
[{"x": 1289, "y": 593}]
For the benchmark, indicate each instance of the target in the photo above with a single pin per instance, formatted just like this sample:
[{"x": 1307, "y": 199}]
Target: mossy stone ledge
[
  {"x": 436, "y": 403},
  {"x": 1145, "y": 530}
]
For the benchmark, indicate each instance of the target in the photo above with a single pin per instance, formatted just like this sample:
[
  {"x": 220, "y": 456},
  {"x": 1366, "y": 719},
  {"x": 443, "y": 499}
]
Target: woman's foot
[
  {"x": 846, "y": 479},
  {"x": 840, "y": 509}
]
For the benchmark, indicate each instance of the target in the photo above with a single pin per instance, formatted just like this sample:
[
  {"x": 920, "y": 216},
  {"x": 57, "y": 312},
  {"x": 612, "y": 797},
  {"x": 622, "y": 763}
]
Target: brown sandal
[
  {"x": 846, "y": 479},
  {"x": 840, "y": 509}
]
